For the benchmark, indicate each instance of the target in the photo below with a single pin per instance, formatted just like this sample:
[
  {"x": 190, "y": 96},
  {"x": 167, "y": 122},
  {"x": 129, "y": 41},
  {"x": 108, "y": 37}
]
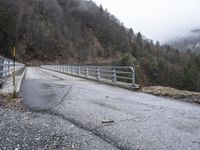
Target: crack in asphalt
[
  {"x": 94, "y": 131},
  {"x": 52, "y": 111},
  {"x": 104, "y": 131}
]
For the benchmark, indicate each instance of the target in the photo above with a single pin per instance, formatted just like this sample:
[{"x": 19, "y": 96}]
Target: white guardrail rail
[
  {"x": 114, "y": 73},
  {"x": 7, "y": 67}
]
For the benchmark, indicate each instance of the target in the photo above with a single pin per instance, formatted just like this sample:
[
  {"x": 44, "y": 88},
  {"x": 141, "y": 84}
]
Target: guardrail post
[
  {"x": 1, "y": 67},
  {"x": 8, "y": 67},
  {"x": 67, "y": 69},
  {"x": 133, "y": 75},
  {"x": 133, "y": 78},
  {"x": 98, "y": 73},
  {"x": 79, "y": 70},
  {"x": 86, "y": 72},
  {"x": 76, "y": 70},
  {"x": 72, "y": 70},
  {"x": 8, "y": 71},
  {"x": 114, "y": 75}
]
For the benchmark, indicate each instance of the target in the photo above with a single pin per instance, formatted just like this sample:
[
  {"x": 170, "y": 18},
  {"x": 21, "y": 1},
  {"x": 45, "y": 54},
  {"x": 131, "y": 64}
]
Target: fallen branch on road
[{"x": 107, "y": 121}]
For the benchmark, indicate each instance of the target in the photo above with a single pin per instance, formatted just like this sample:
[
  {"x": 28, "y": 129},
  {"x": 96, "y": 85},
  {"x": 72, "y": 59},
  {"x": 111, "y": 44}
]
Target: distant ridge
[{"x": 191, "y": 42}]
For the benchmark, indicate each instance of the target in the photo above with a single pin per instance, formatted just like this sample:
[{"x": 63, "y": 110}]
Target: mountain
[
  {"x": 76, "y": 30},
  {"x": 80, "y": 32},
  {"x": 190, "y": 42}
]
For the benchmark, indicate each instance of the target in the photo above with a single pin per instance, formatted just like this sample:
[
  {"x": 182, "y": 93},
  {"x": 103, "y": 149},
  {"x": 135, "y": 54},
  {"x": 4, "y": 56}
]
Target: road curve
[{"x": 141, "y": 121}]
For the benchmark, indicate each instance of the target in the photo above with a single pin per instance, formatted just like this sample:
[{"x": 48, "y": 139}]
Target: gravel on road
[{"x": 40, "y": 131}]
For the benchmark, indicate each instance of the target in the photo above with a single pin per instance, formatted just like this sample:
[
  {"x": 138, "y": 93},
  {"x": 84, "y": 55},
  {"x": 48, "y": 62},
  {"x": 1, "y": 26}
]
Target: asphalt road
[
  {"x": 141, "y": 121},
  {"x": 43, "y": 131}
]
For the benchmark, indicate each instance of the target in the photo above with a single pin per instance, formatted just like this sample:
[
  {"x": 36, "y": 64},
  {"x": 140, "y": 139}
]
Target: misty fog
[{"x": 161, "y": 20}]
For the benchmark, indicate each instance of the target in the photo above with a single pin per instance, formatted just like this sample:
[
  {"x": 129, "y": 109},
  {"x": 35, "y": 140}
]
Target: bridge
[{"x": 121, "y": 117}]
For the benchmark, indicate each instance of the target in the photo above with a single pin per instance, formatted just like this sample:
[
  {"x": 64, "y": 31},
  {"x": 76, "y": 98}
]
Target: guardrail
[
  {"x": 7, "y": 67},
  {"x": 113, "y": 73}
]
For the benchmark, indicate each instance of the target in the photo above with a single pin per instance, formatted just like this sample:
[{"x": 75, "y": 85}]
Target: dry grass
[
  {"x": 7, "y": 101},
  {"x": 187, "y": 96}
]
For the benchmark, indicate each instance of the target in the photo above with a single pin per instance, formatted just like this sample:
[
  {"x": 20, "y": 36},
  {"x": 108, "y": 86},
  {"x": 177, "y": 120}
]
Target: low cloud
[{"x": 157, "y": 19}]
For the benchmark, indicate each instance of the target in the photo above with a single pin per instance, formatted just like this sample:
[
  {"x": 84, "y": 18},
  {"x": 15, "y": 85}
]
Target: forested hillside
[
  {"x": 73, "y": 30},
  {"x": 80, "y": 32}
]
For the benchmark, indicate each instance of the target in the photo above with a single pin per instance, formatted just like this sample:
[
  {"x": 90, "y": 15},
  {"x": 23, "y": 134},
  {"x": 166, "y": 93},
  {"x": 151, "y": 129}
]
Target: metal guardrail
[
  {"x": 113, "y": 73},
  {"x": 7, "y": 67}
]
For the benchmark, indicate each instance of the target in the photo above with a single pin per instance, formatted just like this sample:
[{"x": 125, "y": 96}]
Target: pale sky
[{"x": 156, "y": 19}]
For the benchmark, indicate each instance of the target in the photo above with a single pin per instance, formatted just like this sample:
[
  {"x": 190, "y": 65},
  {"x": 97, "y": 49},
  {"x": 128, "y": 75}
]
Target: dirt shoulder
[
  {"x": 186, "y": 96},
  {"x": 7, "y": 101}
]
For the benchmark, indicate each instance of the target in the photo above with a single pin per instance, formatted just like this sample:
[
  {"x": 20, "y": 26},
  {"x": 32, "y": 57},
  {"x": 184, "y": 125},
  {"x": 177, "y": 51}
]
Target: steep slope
[{"x": 56, "y": 29}]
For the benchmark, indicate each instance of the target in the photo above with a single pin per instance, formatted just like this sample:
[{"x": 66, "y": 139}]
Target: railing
[
  {"x": 7, "y": 67},
  {"x": 113, "y": 73}
]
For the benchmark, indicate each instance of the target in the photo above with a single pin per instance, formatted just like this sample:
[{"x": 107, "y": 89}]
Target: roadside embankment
[{"x": 182, "y": 95}]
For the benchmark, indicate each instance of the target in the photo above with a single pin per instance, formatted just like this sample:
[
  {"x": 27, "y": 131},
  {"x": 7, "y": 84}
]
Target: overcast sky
[{"x": 156, "y": 19}]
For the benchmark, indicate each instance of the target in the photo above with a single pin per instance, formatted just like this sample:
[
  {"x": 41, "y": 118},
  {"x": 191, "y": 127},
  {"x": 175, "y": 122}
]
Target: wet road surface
[{"x": 141, "y": 121}]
